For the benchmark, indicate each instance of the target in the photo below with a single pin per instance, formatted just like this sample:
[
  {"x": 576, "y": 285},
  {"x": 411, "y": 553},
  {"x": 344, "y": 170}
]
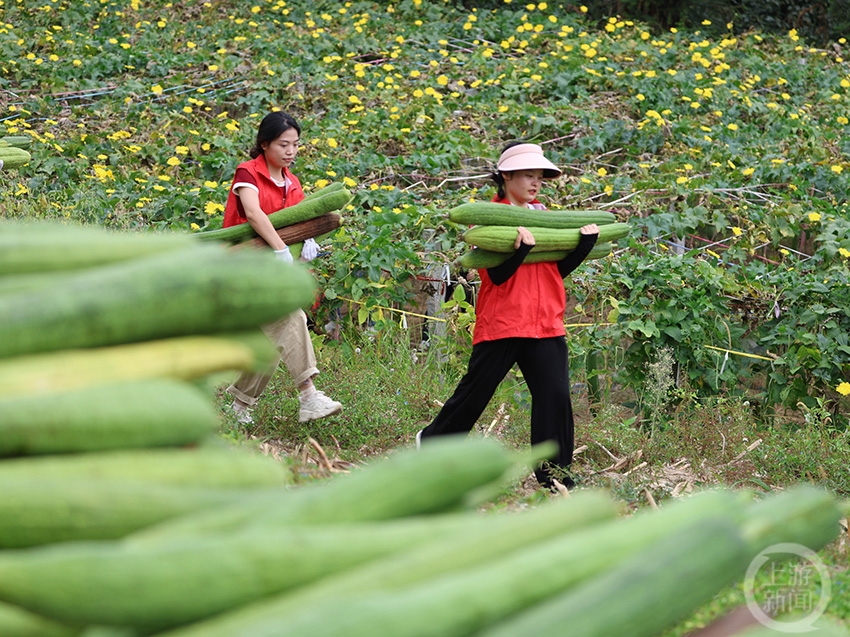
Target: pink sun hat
[{"x": 527, "y": 157}]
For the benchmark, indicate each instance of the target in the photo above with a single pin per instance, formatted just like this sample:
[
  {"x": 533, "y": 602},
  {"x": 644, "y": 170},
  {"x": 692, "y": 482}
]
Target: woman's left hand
[
  {"x": 523, "y": 235},
  {"x": 590, "y": 228}
]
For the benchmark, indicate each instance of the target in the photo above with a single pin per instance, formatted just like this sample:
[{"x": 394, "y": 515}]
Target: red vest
[
  {"x": 271, "y": 195},
  {"x": 530, "y": 304}
]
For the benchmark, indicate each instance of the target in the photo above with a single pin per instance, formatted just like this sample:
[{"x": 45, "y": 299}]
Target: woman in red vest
[
  {"x": 260, "y": 187},
  {"x": 519, "y": 319}
]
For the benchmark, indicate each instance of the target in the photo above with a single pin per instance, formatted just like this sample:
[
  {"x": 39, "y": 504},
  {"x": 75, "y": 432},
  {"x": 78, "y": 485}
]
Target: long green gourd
[
  {"x": 480, "y": 258},
  {"x": 314, "y": 206},
  {"x": 502, "y": 238},
  {"x": 183, "y": 357},
  {"x": 13, "y": 157},
  {"x": 54, "y": 248},
  {"x": 142, "y": 413},
  {"x": 17, "y": 141},
  {"x": 208, "y": 466},
  {"x": 409, "y": 482},
  {"x": 487, "y": 213},
  {"x": 48, "y": 511},
  {"x": 645, "y": 594},
  {"x": 202, "y": 289}
]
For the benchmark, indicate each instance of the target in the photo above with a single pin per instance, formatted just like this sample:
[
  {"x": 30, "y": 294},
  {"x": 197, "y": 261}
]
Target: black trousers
[{"x": 544, "y": 364}]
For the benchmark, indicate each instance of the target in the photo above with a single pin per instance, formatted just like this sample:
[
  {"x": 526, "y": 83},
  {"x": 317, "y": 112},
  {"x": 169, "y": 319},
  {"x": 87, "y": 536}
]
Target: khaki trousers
[{"x": 292, "y": 339}]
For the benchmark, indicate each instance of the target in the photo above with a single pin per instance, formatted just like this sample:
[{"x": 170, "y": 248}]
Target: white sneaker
[
  {"x": 419, "y": 439},
  {"x": 242, "y": 413},
  {"x": 318, "y": 406}
]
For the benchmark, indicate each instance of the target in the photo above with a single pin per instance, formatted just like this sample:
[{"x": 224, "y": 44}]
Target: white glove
[
  {"x": 284, "y": 255},
  {"x": 310, "y": 250}
]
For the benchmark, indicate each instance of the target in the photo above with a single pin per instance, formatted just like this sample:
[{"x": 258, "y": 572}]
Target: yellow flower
[
  {"x": 173, "y": 161},
  {"x": 194, "y": 226},
  {"x": 732, "y": 126},
  {"x": 737, "y": 231},
  {"x": 332, "y": 142},
  {"x": 844, "y": 252},
  {"x": 156, "y": 89},
  {"x": 748, "y": 171},
  {"x": 211, "y": 208},
  {"x": 843, "y": 388},
  {"x": 211, "y": 184},
  {"x": 601, "y": 172},
  {"x": 814, "y": 216},
  {"x": 181, "y": 150},
  {"x": 837, "y": 169}
]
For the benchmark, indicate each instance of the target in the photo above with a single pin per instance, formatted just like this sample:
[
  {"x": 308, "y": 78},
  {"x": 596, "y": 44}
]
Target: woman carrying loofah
[
  {"x": 520, "y": 320},
  {"x": 260, "y": 187}
]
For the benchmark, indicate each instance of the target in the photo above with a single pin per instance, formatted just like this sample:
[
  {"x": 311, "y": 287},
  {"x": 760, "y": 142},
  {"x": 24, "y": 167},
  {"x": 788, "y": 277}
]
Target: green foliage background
[{"x": 725, "y": 147}]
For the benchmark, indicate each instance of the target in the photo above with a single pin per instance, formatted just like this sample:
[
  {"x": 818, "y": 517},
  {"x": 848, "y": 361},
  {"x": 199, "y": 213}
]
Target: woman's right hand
[
  {"x": 284, "y": 255},
  {"x": 523, "y": 235}
]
